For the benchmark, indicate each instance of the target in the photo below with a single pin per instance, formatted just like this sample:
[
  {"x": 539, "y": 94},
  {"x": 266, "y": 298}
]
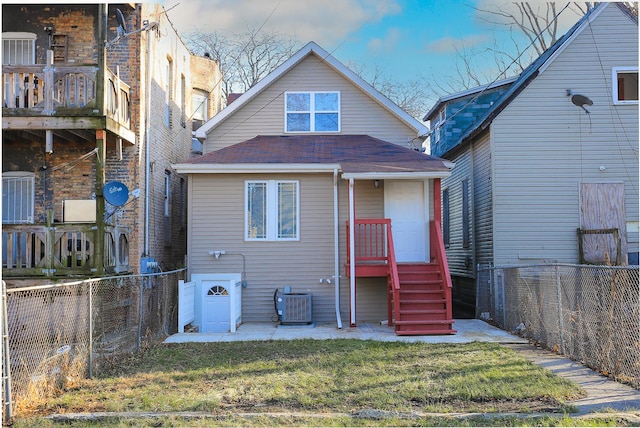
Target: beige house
[
  {"x": 288, "y": 169},
  {"x": 546, "y": 164}
]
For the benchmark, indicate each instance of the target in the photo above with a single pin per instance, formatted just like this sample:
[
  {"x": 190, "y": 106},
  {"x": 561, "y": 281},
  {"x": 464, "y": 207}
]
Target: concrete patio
[{"x": 468, "y": 330}]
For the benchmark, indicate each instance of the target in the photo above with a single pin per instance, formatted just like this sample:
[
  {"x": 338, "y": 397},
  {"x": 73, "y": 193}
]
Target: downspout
[
  {"x": 336, "y": 238},
  {"x": 352, "y": 256},
  {"x": 147, "y": 155}
]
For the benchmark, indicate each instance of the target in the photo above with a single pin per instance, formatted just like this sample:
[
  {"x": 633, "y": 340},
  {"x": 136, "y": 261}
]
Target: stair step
[
  {"x": 424, "y": 332},
  {"x": 422, "y": 322},
  {"x": 408, "y": 293},
  {"x": 422, "y": 301},
  {"x": 420, "y": 281},
  {"x": 422, "y": 311}
]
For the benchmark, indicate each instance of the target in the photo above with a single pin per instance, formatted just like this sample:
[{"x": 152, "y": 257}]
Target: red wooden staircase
[
  {"x": 419, "y": 294},
  {"x": 423, "y": 306}
]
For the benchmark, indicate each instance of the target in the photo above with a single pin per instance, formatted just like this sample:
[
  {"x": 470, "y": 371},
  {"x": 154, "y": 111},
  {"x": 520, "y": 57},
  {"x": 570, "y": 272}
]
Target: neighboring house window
[
  {"x": 18, "y": 48},
  {"x": 625, "y": 85},
  {"x": 183, "y": 203},
  {"x": 312, "y": 111},
  {"x": 167, "y": 208},
  {"x": 199, "y": 102},
  {"x": 446, "y": 228},
  {"x": 183, "y": 101},
  {"x": 465, "y": 214},
  {"x": 168, "y": 96},
  {"x": 437, "y": 127},
  {"x": 272, "y": 210},
  {"x": 17, "y": 197}
]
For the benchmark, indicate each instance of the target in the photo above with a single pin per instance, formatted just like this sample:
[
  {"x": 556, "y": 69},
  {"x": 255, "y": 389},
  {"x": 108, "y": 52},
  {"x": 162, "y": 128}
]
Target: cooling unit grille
[{"x": 295, "y": 308}]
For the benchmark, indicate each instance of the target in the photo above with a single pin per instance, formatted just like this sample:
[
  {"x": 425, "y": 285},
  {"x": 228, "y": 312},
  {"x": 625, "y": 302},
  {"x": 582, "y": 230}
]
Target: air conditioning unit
[{"x": 294, "y": 308}]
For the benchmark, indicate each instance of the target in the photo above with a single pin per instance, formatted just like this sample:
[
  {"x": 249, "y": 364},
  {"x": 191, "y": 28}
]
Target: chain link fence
[
  {"x": 591, "y": 314},
  {"x": 57, "y": 335}
]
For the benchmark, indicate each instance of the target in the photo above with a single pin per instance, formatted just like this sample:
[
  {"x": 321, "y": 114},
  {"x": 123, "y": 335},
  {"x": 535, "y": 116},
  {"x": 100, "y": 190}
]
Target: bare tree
[
  {"x": 244, "y": 58},
  {"x": 537, "y": 21},
  {"x": 409, "y": 95}
]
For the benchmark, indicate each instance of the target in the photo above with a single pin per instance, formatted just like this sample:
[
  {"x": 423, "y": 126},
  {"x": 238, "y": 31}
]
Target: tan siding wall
[
  {"x": 216, "y": 222},
  {"x": 482, "y": 201},
  {"x": 544, "y": 146},
  {"x": 264, "y": 115}
]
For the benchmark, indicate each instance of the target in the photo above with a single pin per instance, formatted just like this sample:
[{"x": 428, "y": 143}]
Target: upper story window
[
  {"x": 199, "y": 103},
  {"x": 17, "y": 197},
  {"x": 18, "y": 48},
  {"x": 312, "y": 111},
  {"x": 437, "y": 126},
  {"x": 625, "y": 85}
]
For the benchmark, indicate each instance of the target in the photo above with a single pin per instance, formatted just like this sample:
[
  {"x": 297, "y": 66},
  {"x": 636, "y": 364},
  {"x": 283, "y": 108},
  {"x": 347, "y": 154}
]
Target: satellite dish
[
  {"x": 581, "y": 101},
  {"x": 116, "y": 193},
  {"x": 122, "y": 27}
]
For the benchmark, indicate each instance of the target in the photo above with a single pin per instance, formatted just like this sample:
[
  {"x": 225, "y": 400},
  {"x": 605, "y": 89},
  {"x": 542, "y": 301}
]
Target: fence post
[
  {"x": 560, "y": 321},
  {"x": 140, "y": 304},
  {"x": 50, "y": 243},
  {"x": 91, "y": 330},
  {"x": 7, "y": 406}
]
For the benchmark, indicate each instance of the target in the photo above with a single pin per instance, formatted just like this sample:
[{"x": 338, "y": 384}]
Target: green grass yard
[{"x": 342, "y": 382}]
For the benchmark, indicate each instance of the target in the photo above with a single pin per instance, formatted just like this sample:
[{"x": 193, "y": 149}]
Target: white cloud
[
  {"x": 386, "y": 44},
  {"x": 452, "y": 44},
  {"x": 325, "y": 22}
]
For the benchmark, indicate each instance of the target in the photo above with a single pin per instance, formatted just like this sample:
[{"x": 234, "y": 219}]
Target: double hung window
[
  {"x": 312, "y": 111},
  {"x": 272, "y": 210}
]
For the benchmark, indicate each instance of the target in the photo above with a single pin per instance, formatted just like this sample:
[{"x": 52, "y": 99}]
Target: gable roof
[
  {"x": 467, "y": 92},
  {"x": 311, "y": 49},
  {"x": 352, "y": 154},
  {"x": 533, "y": 70}
]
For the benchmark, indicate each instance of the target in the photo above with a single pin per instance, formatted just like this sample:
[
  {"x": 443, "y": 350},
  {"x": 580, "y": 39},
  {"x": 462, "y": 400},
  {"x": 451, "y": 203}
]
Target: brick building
[{"x": 96, "y": 97}]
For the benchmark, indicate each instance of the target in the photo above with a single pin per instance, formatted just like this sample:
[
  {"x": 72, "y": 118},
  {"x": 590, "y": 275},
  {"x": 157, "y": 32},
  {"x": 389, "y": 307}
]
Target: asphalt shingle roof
[{"x": 354, "y": 153}]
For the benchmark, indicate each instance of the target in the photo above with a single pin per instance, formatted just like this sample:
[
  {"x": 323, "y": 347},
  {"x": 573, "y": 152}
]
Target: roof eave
[
  {"x": 396, "y": 175},
  {"x": 252, "y": 168}
]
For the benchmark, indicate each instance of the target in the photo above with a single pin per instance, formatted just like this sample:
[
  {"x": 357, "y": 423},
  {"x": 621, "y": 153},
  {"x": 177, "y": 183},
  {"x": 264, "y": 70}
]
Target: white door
[
  {"x": 216, "y": 306},
  {"x": 404, "y": 205}
]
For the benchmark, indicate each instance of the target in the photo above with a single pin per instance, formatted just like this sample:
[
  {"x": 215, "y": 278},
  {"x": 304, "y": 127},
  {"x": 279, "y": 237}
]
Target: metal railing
[
  {"x": 57, "y": 335},
  {"x": 589, "y": 313},
  {"x": 61, "y": 250}
]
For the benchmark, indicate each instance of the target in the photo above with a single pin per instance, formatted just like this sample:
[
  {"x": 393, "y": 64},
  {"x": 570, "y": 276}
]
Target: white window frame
[
  {"x": 11, "y": 39},
  {"x": 312, "y": 111},
  {"x": 614, "y": 81},
  {"x": 272, "y": 214},
  {"x": 28, "y": 189},
  {"x": 200, "y": 105},
  {"x": 439, "y": 123}
]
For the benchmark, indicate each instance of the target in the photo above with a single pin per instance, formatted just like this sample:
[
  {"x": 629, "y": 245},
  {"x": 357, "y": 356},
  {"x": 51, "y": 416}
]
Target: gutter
[{"x": 248, "y": 168}]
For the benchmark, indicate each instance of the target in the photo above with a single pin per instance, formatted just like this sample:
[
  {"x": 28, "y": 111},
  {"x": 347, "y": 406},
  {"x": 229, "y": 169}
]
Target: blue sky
[{"x": 405, "y": 39}]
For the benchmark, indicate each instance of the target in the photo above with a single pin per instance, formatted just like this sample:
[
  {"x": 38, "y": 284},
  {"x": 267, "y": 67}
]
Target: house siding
[
  {"x": 460, "y": 259},
  {"x": 264, "y": 115},
  {"x": 482, "y": 201},
  {"x": 217, "y": 223},
  {"x": 543, "y": 146}
]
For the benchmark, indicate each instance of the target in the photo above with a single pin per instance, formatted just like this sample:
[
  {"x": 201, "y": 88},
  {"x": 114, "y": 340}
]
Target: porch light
[{"x": 376, "y": 183}]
